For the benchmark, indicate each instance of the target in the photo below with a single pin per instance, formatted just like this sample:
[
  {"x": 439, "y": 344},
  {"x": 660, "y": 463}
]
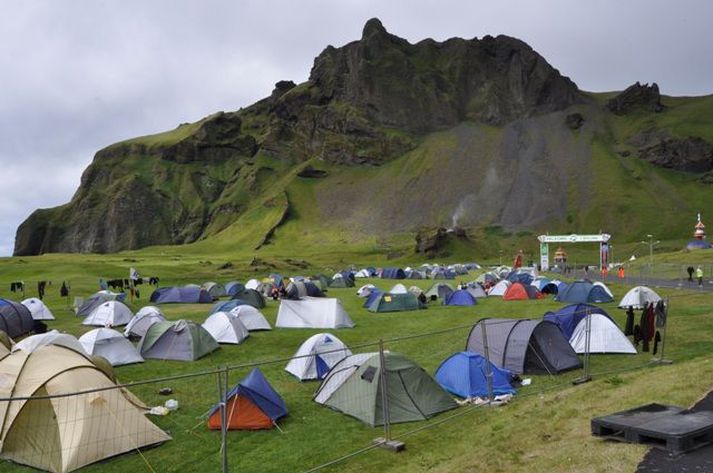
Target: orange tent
[{"x": 519, "y": 292}]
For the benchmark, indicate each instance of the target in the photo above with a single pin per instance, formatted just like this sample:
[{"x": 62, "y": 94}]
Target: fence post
[
  {"x": 486, "y": 352},
  {"x": 222, "y": 381},
  {"x": 386, "y": 442},
  {"x": 586, "y": 377},
  {"x": 662, "y": 359}
]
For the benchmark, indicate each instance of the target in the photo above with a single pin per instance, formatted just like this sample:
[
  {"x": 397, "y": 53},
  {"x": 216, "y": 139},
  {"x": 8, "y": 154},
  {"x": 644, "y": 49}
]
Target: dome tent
[
  {"x": 251, "y": 318},
  {"x": 232, "y": 287},
  {"x": 518, "y": 291},
  {"x": 461, "y": 297},
  {"x": 316, "y": 356},
  {"x": 38, "y": 309},
  {"x": 638, "y": 298},
  {"x": 142, "y": 320},
  {"x": 189, "y": 294},
  {"x": 499, "y": 288},
  {"x": 215, "y": 289},
  {"x": 182, "y": 340},
  {"x": 439, "y": 290},
  {"x": 109, "y": 314},
  {"x": 604, "y": 336},
  {"x": 387, "y": 302},
  {"x": 354, "y": 387},
  {"x": 226, "y": 327},
  {"x": 464, "y": 374},
  {"x": 111, "y": 345},
  {"x": 75, "y": 431},
  {"x": 569, "y": 316},
  {"x": 583, "y": 291},
  {"x": 252, "y": 297},
  {"x": 15, "y": 318},
  {"x": 97, "y": 299}
]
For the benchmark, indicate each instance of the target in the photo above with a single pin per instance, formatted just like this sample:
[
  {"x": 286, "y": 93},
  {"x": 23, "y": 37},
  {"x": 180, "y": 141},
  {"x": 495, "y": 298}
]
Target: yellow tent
[{"x": 58, "y": 433}]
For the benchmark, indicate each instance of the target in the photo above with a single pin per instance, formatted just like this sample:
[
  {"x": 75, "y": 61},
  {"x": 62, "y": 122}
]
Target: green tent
[
  {"x": 321, "y": 281},
  {"x": 182, "y": 340},
  {"x": 252, "y": 297},
  {"x": 354, "y": 387},
  {"x": 387, "y": 302},
  {"x": 440, "y": 290}
]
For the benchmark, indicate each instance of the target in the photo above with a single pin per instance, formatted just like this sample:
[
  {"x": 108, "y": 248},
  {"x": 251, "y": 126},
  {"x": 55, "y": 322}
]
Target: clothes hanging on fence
[
  {"x": 629, "y": 327},
  {"x": 64, "y": 290},
  {"x": 660, "y": 312},
  {"x": 17, "y": 286},
  {"x": 637, "y": 335},
  {"x": 650, "y": 321},
  {"x": 41, "y": 289},
  {"x": 657, "y": 340},
  {"x": 153, "y": 281}
]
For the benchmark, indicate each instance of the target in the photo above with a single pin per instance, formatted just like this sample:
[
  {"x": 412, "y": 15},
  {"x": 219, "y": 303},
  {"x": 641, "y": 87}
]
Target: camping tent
[
  {"x": 95, "y": 300},
  {"x": 316, "y": 356},
  {"x": 415, "y": 290},
  {"x": 253, "y": 284},
  {"x": 299, "y": 289},
  {"x": 499, "y": 288},
  {"x": 354, "y": 386},
  {"x": 252, "y": 297},
  {"x": 583, "y": 291},
  {"x": 604, "y": 336},
  {"x": 362, "y": 273},
  {"x": 226, "y": 327},
  {"x": 53, "y": 337},
  {"x": 375, "y": 294},
  {"x": 214, "y": 289},
  {"x": 38, "y": 309},
  {"x": 109, "y": 314},
  {"x": 386, "y": 302},
  {"x": 461, "y": 297},
  {"x": 393, "y": 273},
  {"x": 488, "y": 278},
  {"x": 232, "y": 287},
  {"x": 465, "y": 375},
  {"x": 398, "y": 289},
  {"x": 180, "y": 295},
  {"x": 524, "y": 345},
  {"x": 365, "y": 290},
  {"x": 15, "y": 318},
  {"x": 182, "y": 340},
  {"x": 252, "y": 404},
  {"x": 341, "y": 281},
  {"x": 439, "y": 290},
  {"x": 227, "y": 306},
  {"x": 604, "y": 287},
  {"x": 415, "y": 274},
  {"x": 553, "y": 287},
  {"x": 638, "y": 298},
  {"x": 476, "y": 290},
  {"x": 110, "y": 345},
  {"x": 251, "y": 318},
  {"x": 569, "y": 316},
  {"x": 519, "y": 292},
  {"x": 62, "y": 434},
  {"x": 142, "y": 320},
  {"x": 313, "y": 312}
]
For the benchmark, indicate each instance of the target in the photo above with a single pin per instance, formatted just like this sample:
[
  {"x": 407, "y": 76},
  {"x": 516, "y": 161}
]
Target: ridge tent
[
  {"x": 253, "y": 284},
  {"x": 38, "y": 309},
  {"x": 524, "y": 346},
  {"x": 109, "y": 314},
  {"x": 499, "y": 288},
  {"x": 464, "y": 375},
  {"x": 252, "y": 297},
  {"x": 520, "y": 292},
  {"x": 142, "y": 320},
  {"x": 583, "y": 291},
  {"x": 439, "y": 290},
  {"x": 398, "y": 289},
  {"x": 226, "y": 327},
  {"x": 215, "y": 290},
  {"x": 252, "y": 404},
  {"x": 181, "y": 295},
  {"x": 365, "y": 290},
  {"x": 354, "y": 387},
  {"x": 110, "y": 345},
  {"x": 569, "y": 316},
  {"x": 182, "y": 340},
  {"x": 15, "y": 318},
  {"x": 638, "y": 298},
  {"x": 604, "y": 336},
  {"x": 227, "y": 306},
  {"x": 461, "y": 297},
  {"x": 386, "y": 302},
  {"x": 251, "y": 318},
  {"x": 64, "y": 434},
  {"x": 311, "y": 312},
  {"x": 316, "y": 356},
  {"x": 232, "y": 287},
  {"x": 393, "y": 273}
]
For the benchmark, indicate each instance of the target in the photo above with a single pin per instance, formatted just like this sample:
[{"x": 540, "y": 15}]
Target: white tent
[
  {"x": 226, "y": 328},
  {"x": 251, "y": 318},
  {"x": 109, "y": 314},
  {"x": 415, "y": 290},
  {"x": 53, "y": 337},
  {"x": 476, "y": 290},
  {"x": 500, "y": 288},
  {"x": 144, "y": 318},
  {"x": 111, "y": 345},
  {"x": 253, "y": 284},
  {"x": 316, "y": 356},
  {"x": 38, "y": 309},
  {"x": 313, "y": 312},
  {"x": 365, "y": 290},
  {"x": 398, "y": 289},
  {"x": 362, "y": 273},
  {"x": 603, "y": 286},
  {"x": 638, "y": 298},
  {"x": 604, "y": 337}
]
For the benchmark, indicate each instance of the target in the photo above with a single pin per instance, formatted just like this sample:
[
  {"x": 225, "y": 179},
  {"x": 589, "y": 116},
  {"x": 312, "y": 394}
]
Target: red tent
[{"x": 520, "y": 292}]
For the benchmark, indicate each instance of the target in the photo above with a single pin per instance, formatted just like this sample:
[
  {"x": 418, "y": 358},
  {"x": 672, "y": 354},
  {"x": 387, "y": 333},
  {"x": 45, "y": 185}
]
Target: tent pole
[
  {"x": 486, "y": 352},
  {"x": 586, "y": 377},
  {"x": 222, "y": 392},
  {"x": 386, "y": 441}
]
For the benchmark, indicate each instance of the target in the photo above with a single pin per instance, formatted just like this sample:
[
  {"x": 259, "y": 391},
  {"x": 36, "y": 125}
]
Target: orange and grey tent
[
  {"x": 253, "y": 404},
  {"x": 520, "y": 292}
]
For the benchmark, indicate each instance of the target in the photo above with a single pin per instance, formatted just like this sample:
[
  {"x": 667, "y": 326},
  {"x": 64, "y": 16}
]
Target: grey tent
[
  {"x": 15, "y": 318},
  {"x": 95, "y": 300},
  {"x": 524, "y": 345},
  {"x": 182, "y": 340},
  {"x": 439, "y": 290},
  {"x": 214, "y": 289}
]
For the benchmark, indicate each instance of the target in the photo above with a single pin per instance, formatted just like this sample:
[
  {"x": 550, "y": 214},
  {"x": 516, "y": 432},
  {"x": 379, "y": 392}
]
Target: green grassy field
[{"x": 545, "y": 429}]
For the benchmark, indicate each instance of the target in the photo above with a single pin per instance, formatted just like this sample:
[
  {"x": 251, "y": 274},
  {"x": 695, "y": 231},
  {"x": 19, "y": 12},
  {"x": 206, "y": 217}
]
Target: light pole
[{"x": 651, "y": 244}]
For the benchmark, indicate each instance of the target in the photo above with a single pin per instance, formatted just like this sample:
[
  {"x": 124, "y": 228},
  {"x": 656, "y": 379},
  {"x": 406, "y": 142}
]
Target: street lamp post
[{"x": 651, "y": 244}]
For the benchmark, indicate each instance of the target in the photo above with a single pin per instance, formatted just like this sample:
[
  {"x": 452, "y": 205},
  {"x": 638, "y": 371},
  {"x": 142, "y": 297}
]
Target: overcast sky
[{"x": 78, "y": 75}]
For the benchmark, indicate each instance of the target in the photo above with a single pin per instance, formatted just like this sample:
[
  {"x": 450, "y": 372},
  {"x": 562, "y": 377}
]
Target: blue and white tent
[
  {"x": 461, "y": 297},
  {"x": 464, "y": 374}
]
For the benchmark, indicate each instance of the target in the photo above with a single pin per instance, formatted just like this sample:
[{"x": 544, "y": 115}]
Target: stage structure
[{"x": 602, "y": 239}]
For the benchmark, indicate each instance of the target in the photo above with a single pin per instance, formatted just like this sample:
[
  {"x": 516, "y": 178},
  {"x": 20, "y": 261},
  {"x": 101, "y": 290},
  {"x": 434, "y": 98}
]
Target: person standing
[{"x": 699, "y": 275}]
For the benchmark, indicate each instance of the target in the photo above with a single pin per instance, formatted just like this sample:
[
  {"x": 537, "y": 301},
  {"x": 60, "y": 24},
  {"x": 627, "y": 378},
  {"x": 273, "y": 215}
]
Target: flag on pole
[{"x": 133, "y": 274}]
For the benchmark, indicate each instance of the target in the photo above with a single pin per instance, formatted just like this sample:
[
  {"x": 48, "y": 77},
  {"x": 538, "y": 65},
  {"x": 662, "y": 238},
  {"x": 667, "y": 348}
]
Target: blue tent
[
  {"x": 568, "y": 317},
  {"x": 582, "y": 291},
  {"x": 540, "y": 283},
  {"x": 233, "y": 287},
  {"x": 464, "y": 374},
  {"x": 375, "y": 294},
  {"x": 227, "y": 306},
  {"x": 443, "y": 274},
  {"x": 393, "y": 273},
  {"x": 181, "y": 295},
  {"x": 461, "y": 297},
  {"x": 524, "y": 278},
  {"x": 255, "y": 389}
]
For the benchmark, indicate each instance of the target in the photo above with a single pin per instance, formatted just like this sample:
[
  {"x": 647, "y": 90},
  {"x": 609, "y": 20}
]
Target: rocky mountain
[{"x": 481, "y": 131}]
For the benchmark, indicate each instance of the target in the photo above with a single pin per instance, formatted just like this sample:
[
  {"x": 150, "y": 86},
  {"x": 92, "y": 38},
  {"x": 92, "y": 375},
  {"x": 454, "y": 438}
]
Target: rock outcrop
[
  {"x": 687, "y": 154},
  {"x": 637, "y": 97}
]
